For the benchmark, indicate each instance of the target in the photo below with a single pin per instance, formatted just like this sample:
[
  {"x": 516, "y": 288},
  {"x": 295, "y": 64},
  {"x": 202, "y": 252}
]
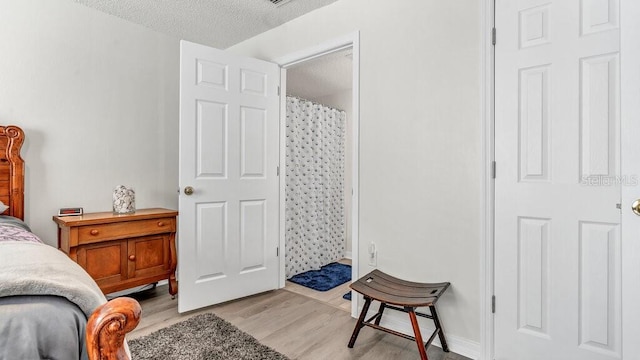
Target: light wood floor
[{"x": 295, "y": 325}]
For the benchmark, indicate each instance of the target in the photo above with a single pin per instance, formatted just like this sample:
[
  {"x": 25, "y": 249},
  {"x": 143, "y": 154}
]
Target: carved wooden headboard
[{"x": 12, "y": 170}]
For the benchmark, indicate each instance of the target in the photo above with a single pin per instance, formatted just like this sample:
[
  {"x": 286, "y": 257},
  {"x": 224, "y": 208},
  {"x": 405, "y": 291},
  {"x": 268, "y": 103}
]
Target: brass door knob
[
  {"x": 188, "y": 190},
  {"x": 636, "y": 207},
  {"x": 132, "y": 257}
]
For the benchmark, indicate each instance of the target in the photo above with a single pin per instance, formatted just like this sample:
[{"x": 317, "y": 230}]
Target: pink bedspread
[{"x": 15, "y": 233}]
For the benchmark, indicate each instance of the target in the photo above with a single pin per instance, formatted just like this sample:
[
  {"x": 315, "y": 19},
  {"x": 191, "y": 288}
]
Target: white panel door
[
  {"x": 630, "y": 139},
  {"x": 558, "y": 258},
  {"x": 228, "y": 230}
]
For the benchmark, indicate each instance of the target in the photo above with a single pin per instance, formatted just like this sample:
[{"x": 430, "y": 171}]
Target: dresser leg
[{"x": 173, "y": 283}]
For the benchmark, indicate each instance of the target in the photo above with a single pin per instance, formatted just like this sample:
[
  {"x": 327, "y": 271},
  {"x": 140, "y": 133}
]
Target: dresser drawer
[{"x": 92, "y": 233}]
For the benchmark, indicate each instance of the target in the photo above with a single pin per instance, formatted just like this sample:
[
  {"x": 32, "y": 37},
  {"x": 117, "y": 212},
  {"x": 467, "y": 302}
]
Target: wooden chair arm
[{"x": 107, "y": 327}]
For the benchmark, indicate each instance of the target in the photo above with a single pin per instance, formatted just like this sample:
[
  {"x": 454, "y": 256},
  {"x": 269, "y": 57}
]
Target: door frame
[
  {"x": 351, "y": 40},
  {"x": 629, "y": 112},
  {"x": 487, "y": 203}
]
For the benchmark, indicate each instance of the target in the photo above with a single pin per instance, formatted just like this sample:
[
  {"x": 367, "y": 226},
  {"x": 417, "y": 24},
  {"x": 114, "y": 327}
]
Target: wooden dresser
[{"x": 122, "y": 251}]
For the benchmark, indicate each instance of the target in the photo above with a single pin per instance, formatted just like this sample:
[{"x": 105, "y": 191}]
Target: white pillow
[{"x": 3, "y": 207}]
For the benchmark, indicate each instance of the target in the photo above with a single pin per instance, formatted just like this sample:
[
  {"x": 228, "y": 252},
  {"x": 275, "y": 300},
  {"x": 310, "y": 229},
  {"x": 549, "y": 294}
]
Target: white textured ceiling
[
  {"x": 217, "y": 23},
  {"x": 326, "y": 75}
]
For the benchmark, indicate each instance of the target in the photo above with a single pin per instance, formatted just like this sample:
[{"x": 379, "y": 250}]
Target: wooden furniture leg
[
  {"x": 416, "y": 333},
  {"x": 380, "y": 311},
  {"x": 173, "y": 283},
  {"x": 360, "y": 323},
  {"x": 436, "y": 321}
]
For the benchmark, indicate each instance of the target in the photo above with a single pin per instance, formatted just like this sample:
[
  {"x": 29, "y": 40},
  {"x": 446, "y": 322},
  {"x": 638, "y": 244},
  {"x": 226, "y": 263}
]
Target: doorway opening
[
  {"x": 322, "y": 79},
  {"x": 317, "y": 171}
]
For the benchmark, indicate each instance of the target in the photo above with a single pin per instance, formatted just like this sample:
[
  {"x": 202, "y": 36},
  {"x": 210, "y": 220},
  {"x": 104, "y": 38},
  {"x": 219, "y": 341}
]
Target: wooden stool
[{"x": 409, "y": 295}]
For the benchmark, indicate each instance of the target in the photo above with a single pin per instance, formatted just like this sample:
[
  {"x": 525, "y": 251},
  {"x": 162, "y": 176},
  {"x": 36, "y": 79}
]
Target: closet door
[{"x": 566, "y": 240}]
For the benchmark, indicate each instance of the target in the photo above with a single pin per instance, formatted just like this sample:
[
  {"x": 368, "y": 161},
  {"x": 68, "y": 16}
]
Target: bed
[{"x": 50, "y": 308}]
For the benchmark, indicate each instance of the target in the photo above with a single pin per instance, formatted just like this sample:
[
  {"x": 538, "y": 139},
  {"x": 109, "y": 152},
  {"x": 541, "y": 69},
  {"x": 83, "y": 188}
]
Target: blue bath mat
[
  {"x": 328, "y": 277},
  {"x": 347, "y": 296}
]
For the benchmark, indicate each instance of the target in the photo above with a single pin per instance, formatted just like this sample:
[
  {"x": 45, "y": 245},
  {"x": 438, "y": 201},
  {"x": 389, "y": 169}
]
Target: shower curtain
[{"x": 315, "y": 219}]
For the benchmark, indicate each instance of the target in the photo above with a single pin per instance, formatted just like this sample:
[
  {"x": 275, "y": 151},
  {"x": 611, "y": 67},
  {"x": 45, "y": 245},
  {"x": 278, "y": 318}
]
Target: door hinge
[
  {"x": 278, "y": 251},
  {"x": 278, "y": 171},
  {"x": 278, "y": 90},
  {"x": 493, "y": 304},
  {"x": 493, "y": 169},
  {"x": 493, "y": 36}
]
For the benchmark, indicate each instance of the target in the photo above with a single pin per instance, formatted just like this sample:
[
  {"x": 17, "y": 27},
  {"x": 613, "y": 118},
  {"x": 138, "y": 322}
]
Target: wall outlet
[{"x": 373, "y": 255}]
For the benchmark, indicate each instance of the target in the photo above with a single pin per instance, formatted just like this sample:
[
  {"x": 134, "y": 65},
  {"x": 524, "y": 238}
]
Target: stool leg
[
  {"x": 439, "y": 329},
  {"x": 380, "y": 311},
  {"x": 359, "y": 324},
  {"x": 416, "y": 331}
]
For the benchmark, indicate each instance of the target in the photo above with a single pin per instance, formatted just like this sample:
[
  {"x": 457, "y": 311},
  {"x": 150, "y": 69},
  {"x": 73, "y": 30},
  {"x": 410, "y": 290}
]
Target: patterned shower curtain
[{"x": 315, "y": 219}]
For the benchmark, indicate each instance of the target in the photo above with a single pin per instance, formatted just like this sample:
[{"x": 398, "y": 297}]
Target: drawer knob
[
  {"x": 94, "y": 232},
  {"x": 132, "y": 257},
  {"x": 160, "y": 224}
]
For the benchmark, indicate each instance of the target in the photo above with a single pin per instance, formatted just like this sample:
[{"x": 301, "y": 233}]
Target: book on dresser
[{"x": 122, "y": 251}]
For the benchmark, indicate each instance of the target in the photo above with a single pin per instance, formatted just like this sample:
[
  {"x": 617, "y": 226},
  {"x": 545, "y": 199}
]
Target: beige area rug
[{"x": 202, "y": 337}]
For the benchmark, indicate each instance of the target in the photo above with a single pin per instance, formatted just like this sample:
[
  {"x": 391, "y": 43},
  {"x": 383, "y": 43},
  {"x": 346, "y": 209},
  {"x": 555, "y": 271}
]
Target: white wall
[
  {"x": 420, "y": 138},
  {"x": 97, "y": 97}
]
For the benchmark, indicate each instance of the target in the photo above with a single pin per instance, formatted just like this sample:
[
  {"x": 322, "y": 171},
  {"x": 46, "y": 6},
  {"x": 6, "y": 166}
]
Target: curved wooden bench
[{"x": 401, "y": 295}]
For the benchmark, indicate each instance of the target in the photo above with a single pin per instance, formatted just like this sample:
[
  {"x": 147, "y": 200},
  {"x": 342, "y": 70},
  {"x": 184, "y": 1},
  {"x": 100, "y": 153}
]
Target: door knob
[
  {"x": 636, "y": 207},
  {"x": 188, "y": 190}
]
